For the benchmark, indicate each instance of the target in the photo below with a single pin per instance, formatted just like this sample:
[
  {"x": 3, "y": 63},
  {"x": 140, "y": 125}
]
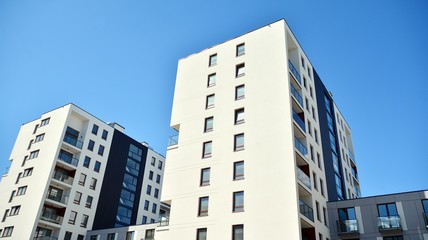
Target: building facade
[
  {"x": 62, "y": 171},
  {"x": 249, "y": 159},
  {"x": 399, "y": 216}
]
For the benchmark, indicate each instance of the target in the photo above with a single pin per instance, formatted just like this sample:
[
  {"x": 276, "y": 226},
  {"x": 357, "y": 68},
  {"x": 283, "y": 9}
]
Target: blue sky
[{"x": 118, "y": 60}]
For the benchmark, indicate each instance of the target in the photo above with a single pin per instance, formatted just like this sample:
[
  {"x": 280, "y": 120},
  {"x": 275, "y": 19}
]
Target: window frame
[
  {"x": 205, "y": 182},
  {"x": 236, "y": 175},
  {"x": 237, "y": 146},
  {"x": 237, "y": 88},
  {"x": 240, "y": 70},
  {"x": 212, "y": 60},
  {"x": 239, "y": 195},
  {"x": 205, "y": 147},
  {"x": 203, "y": 211}
]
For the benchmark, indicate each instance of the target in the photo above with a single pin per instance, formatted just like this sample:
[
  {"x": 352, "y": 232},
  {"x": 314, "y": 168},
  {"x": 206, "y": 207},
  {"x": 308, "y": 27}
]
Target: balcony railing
[
  {"x": 295, "y": 72},
  {"x": 163, "y": 220},
  {"x": 58, "y": 198},
  {"x": 425, "y": 215},
  {"x": 51, "y": 217},
  {"x": 63, "y": 177},
  {"x": 306, "y": 210},
  {"x": 73, "y": 141},
  {"x": 68, "y": 159},
  {"x": 173, "y": 140},
  {"x": 296, "y": 95},
  {"x": 299, "y": 121},
  {"x": 351, "y": 155},
  {"x": 389, "y": 223},
  {"x": 347, "y": 226},
  {"x": 299, "y": 145},
  {"x": 354, "y": 173},
  {"x": 304, "y": 178}
]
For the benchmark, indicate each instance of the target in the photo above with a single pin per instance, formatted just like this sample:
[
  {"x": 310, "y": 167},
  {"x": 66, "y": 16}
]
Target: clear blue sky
[{"x": 118, "y": 60}]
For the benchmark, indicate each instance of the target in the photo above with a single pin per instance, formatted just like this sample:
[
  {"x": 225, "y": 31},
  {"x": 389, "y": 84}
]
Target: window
[
  {"x": 319, "y": 236},
  {"x": 156, "y": 194},
  {"x": 322, "y": 187},
  {"x": 97, "y": 166},
  {"x": 158, "y": 178},
  {"x": 77, "y": 197},
  {"x": 211, "y": 80},
  {"x": 14, "y": 210},
  {"x": 94, "y": 237},
  {"x": 238, "y": 170},
  {"x": 393, "y": 238},
  {"x": 239, "y": 116},
  {"x": 213, "y": 60},
  {"x": 17, "y": 178},
  {"x": 91, "y": 145},
  {"x": 86, "y": 161},
  {"x": 160, "y": 164},
  {"x": 316, "y": 135},
  {"x": 149, "y": 190},
  {"x": 311, "y": 149},
  {"x": 313, "y": 114},
  {"x": 95, "y": 129},
  {"x": 39, "y": 138},
  {"x": 210, "y": 101},
  {"x": 130, "y": 182},
  {"x": 305, "y": 83},
  {"x": 12, "y": 195},
  {"x": 205, "y": 177},
  {"x": 6, "y": 213},
  {"x": 144, "y": 220},
  {"x": 7, "y": 232},
  {"x": 104, "y": 135},
  {"x": 324, "y": 211},
  {"x": 150, "y": 234},
  {"x": 317, "y": 210},
  {"x": 72, "y": 218},
  {"x": 238, "y": 142},
  {"x": 27, "y": 172},
  {"x": 309, "y": 71},
  {"x": 309, "y": 128},
  {"x": 88, "y": 203},
  {"x": 238, "y": 201},
  {"x": 151, "y": 175},
  {"x": 303, "y": 62},
  {"x": 311, "y": 92},
  {"x": 240, "y": 49},
  {"x": 307, "y": 104},
  {"x": 80, "y": 237},
  {"x": 240, "y": 70},
  {"x": 238, "y": 232},
  {"x": 201, "y": 234},
  {"x": 314, "y": 176},
  {"x": 425, "y": 205},
  {"x": 154, "y": 208},
  {"x": 67, "y": 235},
  {"x": 203, "y": 206},
  {"x": 146, "y": 205},
  {"x": 111, "y": 236},
  {"x": 319, "y": 161},
  {"x": 29, "y": 145},
  {"x": 101, "y": 150},
  {"x": 240, "y": 92},
  {"x": 153, "y": 162},
  {"x": 21, "y": 191},
  {"x": 387, "y": 210},
  {"x": 84, "y": 220},
  {"x": 207, "y": 149},
  {"x": 44, "y": 122},
  {"x": 129, "y": 236},
  {"x": 34, "y": 154},
  {"x": 82, "y": 179},
  {"x": 93, "y": 184},
  {"x": 208, "y": 126}
]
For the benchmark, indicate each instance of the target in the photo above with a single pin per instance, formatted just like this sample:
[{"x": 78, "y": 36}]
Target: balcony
[
  {"x": 306, "y": 210},
  {"x": 299, "y": 121},
  {"x": 354, "y": 173},
  {"x": 61, "y": 198},
  {"x": 347, "y": 227},
  {"x": 389, "y": 223},
  {"x": 45, "y": 238},
  {"x": 294, "y": 71},
  {"x": 163, "y": 220},
  {"x": 304, "y": 178},
  {"x": 357, "y": 192},
  {"x": 300, "y": 147},
  {"x": 73, "y": 141},
  {"x": 68, "y": 158},
  {"x": 351, "y": 155},
  {"x": 172, "y": 141},
  {"x": 63, "y": 177},
  {"x": 51, "y": 217},
  {"x": 296, "y": 95}
]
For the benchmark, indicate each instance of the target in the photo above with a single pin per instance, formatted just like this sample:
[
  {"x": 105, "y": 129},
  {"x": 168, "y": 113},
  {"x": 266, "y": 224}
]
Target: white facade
[{"x": 283, "y": 177}]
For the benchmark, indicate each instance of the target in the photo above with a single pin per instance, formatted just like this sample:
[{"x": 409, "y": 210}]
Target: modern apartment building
[
  {"x": 396, "y": 216},
  {"x": 250, "y": 159},
  {"x": 71, "y": 172}
]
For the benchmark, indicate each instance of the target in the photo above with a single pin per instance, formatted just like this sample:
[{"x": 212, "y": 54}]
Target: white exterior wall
[{"x": 139, "y": 232}]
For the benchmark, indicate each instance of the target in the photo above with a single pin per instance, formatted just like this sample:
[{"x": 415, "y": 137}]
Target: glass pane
[
  {"x": 392, "y": 209},
  {"x": 425, "y": 204},
  {"x": 382, "y": 210},
  {"x": 351, "y": 214}
]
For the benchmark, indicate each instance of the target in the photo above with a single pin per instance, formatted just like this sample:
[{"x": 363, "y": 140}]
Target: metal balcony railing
[
  {"x": 306, "y": 210},
  {"x": 299, "y": 121},
  {"x": 304, "y": 178},
  {"x": 347, "y": 226},
  {"x": 173, "y": 140},
  {"x": 51, "y": 217},
  {"x": 73, "y": 141},
  {"x": 299, "y": 145},
  {"x": 389, "y": 223},
  {"x": 68, "y": 159},
  {"x": 296, "y": 95},
  {"x": 295, "y": 72}
]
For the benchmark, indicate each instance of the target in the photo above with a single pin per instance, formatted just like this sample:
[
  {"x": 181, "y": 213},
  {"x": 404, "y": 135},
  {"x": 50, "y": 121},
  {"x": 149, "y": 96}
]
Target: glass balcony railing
[
  {"x": 45, "y": 238},
  {"x": 306, "y": 210},
  {"x": 163, "y": 220},
  {"x": 351, "y": 155},
  {"x": 296, "y": 95},
  {"x": 51, "y": 217},
  {"x": 173, "y": 140},
  {"x": 58, "y": 197},
  {"x": 295, "y": 72},
  {"x": 63, "y": 177},
  {"x": 73, "y": 141},
  {"x": 347, "y": 226},
  {"x": 304, "y": 178},
  {"x": 299, "y": 145},
  {"x": 68, "y": 159},
  {"x": 299, "y": 121},
  {"x": 389, "y": 223}
]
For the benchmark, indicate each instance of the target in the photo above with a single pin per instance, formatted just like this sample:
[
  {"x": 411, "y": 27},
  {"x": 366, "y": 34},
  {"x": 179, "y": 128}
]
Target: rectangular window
[
  {"x": 151, "y": 175},
  {"x": 153, "y": 162},
  {"x": 39, "y": 138},
  {"x": 309, "y": 128},
  {"x": 317, "y": 210},
  {"x": 14, "y": 210},
  {"x": 158, "y": 178},
  {"x": 82, "y": 179},
  {"x": 311, "y": 149},
  {"x": 93, "y": 184},
  {"x": 77, "y": 197},
  {"x": 104, "y": 135},
  {"x": 154, "y": 208},
  {"x": 27, "y": 172},
  {"x": 210, "y": 101},
  {"x": 303, "y": 62},
  {"x": 239, "y": 116},
  {"x": 307, "y": 103},
  {"x": 240, "y": 49},
  {"x": 208, "y": 126},
  {"x": 238, "y": 232},
  {"x": 240, "y": 92},
  {"x": 34, "y": 154},
  {"x": 311, "y": 92},
  {"x": 201, "y": 234},
  {"x": 324, "y": 211},
  {"x": 238, "y": 142},
  {"x": 84, "y": 220},
  {"x": 240, "y": 70},
  {"x": 44, "y": 122},
  {"x": 91, "y": 145},
  {"x": 72, "y": 219},
  {"x": 129, "y": 236},
  {"x": 146, "y": 205},
  {"x": 205, "y": 177},
  {"x": 87, "y": 161},
  {"x": 207, "y": 149},
  {"x": 211, "y": 80},
  {"x": 97, "y": 166},
  {"x": 316, "y": 135},
  {"x": 149, "y": 190},
  {"x": 314, "y": 179},
  {"x": 238, "y": 170},
  {"x": 156, "y": 194},
  {"x": 7, "y": 232},
  {"x": 67, "y": 235},
  {"x": 95, "y": 129},
  {"x": 393, "y": 238},
  {"x": 160, "y": 164},
  {"x": 213, "y": 60},
  {"x": 21, "y": 191},
  {"x": 203, "y": 206},
  {"x": 144, "y": 220},
  {"x": 111, "y": 236},
  {"x": 238, "y": 201},
  {"x": 387, "y": 210},
  {"x": 320, "y": 236},
  {"x": 322, "y": 187},
  {"x": 101, "y": 150},
  {"x": 88, "y": 203}
]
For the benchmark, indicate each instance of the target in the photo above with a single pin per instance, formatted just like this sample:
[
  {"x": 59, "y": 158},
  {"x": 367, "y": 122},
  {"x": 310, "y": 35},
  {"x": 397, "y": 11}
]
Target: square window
[
  {"x": 213, "y": 60},
  {"x": 104, "y": 135},
  {"x": 97, "y": 166},
  {"x": 44, "y": 122},
  {"x": 39, "y": 137},
  {"x": 27, "y": 172},
  {"x": 203, "y": 206},
  {"x": 82, "y": 179},
  {"x": 238, "y": 170},
  {"x": 207, "y": 149},
  {"x": 238, "y": 142},
  {"x": 91, "y": 145},
  {"x": 101, "y": 150},
  {"x": 7, "y": 232},
  {"x": 238, "y": 201},
  {"x": 211, "y": 80},
  {"x": 201, "y": 234},
  {"x": 240, "y": 49},
  {"x": 129, "y": 236},
  {"x": 238, "y": 232},
  {"x": 205, "y": 177},
  {"x": 14, "y": 210},
  {"x": 21, "y": 191},
  {"x": 240, "y": 70},
  {"x": 240, "y": 92},
  {"x": 208, "y": 124},
  {"x": 87, "y": 161},
  {"x": 239, "y": 116},
  {"x": 34, "y": 154},
  {"x": 210, "y": 101},
  {"x": 95, "y": 129}
]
